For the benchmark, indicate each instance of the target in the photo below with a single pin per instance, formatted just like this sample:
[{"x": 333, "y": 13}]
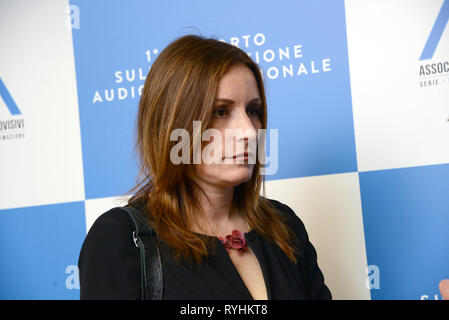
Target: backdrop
[{"x": 358, "y": 90}]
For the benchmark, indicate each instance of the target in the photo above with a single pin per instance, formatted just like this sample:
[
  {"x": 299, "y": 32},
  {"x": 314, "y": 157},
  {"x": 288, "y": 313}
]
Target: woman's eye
[
  {"x": 220, "y": 113},
  {"x": 255, "y": 112}
]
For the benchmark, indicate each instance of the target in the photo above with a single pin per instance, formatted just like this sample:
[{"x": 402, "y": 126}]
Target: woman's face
[{"x": 236, "y": 119}]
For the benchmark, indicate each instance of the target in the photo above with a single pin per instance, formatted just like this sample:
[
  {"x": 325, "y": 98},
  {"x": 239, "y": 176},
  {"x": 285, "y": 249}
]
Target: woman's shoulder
[
  {"x": 286, "y": 211},
  {"x": 109, "y": 260},
  {"x": 291, "y": 217},
  {"x": 109, "y": 235},
  {"x": 280, "y": 205},
  {"x": 114, "y": 220},
  {"x": 112, "y": 229}
]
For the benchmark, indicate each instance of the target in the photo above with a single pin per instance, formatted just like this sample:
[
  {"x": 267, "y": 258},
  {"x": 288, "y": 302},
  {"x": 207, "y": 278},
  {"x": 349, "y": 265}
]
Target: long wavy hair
[{"x": 181, "y": 87}]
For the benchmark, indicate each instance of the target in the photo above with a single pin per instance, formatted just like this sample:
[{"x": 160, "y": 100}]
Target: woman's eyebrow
[{"x": 231, "y": 102}]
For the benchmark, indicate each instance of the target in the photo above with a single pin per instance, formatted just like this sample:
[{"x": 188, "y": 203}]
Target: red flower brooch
[{"x": 236, "y": 240}]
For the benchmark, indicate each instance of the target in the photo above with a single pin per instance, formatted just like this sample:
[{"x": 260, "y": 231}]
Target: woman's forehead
[{"x": 238, "y": 84}]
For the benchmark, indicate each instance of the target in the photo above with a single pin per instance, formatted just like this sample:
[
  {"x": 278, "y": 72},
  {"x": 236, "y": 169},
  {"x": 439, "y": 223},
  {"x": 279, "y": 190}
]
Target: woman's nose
[
  {"x": 245, "y": 128},
  {"x": 245, "y": 136}
]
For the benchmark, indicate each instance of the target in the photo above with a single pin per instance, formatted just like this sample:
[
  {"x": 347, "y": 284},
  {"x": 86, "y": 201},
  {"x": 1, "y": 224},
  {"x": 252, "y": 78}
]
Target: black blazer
[{"x": 109, "y": 266}]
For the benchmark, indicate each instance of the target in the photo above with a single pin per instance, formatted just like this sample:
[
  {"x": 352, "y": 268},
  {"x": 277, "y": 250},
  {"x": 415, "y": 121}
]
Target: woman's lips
[{"x": 242, "y": 157}]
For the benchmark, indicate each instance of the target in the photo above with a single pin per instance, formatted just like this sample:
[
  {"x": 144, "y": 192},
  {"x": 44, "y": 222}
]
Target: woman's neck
[{"x": 221, "y": 219}]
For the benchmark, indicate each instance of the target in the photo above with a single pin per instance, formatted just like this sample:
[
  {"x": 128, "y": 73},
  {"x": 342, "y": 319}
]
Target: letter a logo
[
  {"x": 9, "y": 101},
  {"x": 437, "y": 31}
]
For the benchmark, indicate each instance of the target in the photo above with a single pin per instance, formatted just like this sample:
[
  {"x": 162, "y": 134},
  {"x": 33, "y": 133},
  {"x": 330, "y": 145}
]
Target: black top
[{"x": 109, "y": 266}]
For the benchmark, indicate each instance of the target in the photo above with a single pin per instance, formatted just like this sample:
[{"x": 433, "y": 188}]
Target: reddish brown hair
[{"x": 181, "y": 87}]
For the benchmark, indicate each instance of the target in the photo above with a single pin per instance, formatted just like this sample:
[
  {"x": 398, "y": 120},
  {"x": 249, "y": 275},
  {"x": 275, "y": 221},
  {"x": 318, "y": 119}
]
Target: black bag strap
[{"x": 150, "y": 260}]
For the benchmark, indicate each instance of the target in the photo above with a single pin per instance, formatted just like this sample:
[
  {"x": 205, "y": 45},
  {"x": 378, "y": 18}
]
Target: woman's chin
[{"x": 239, "y": 174}]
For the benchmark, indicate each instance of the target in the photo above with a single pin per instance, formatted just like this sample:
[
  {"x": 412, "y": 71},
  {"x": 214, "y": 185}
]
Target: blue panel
[
  {"x": 37, "y": 244},
  {"x": 406, "y": 221},
  {"x": 313, "y": 112}
]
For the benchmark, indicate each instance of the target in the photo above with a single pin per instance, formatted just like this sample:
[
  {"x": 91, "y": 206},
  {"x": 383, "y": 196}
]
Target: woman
[{"x": 194, "y": 206}]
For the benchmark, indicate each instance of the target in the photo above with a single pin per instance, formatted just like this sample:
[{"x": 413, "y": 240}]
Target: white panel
[
  {"x": 37, "y": 67},
  {"x": 331, "y": 210},
  {"x": 398, "y": 123}
]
